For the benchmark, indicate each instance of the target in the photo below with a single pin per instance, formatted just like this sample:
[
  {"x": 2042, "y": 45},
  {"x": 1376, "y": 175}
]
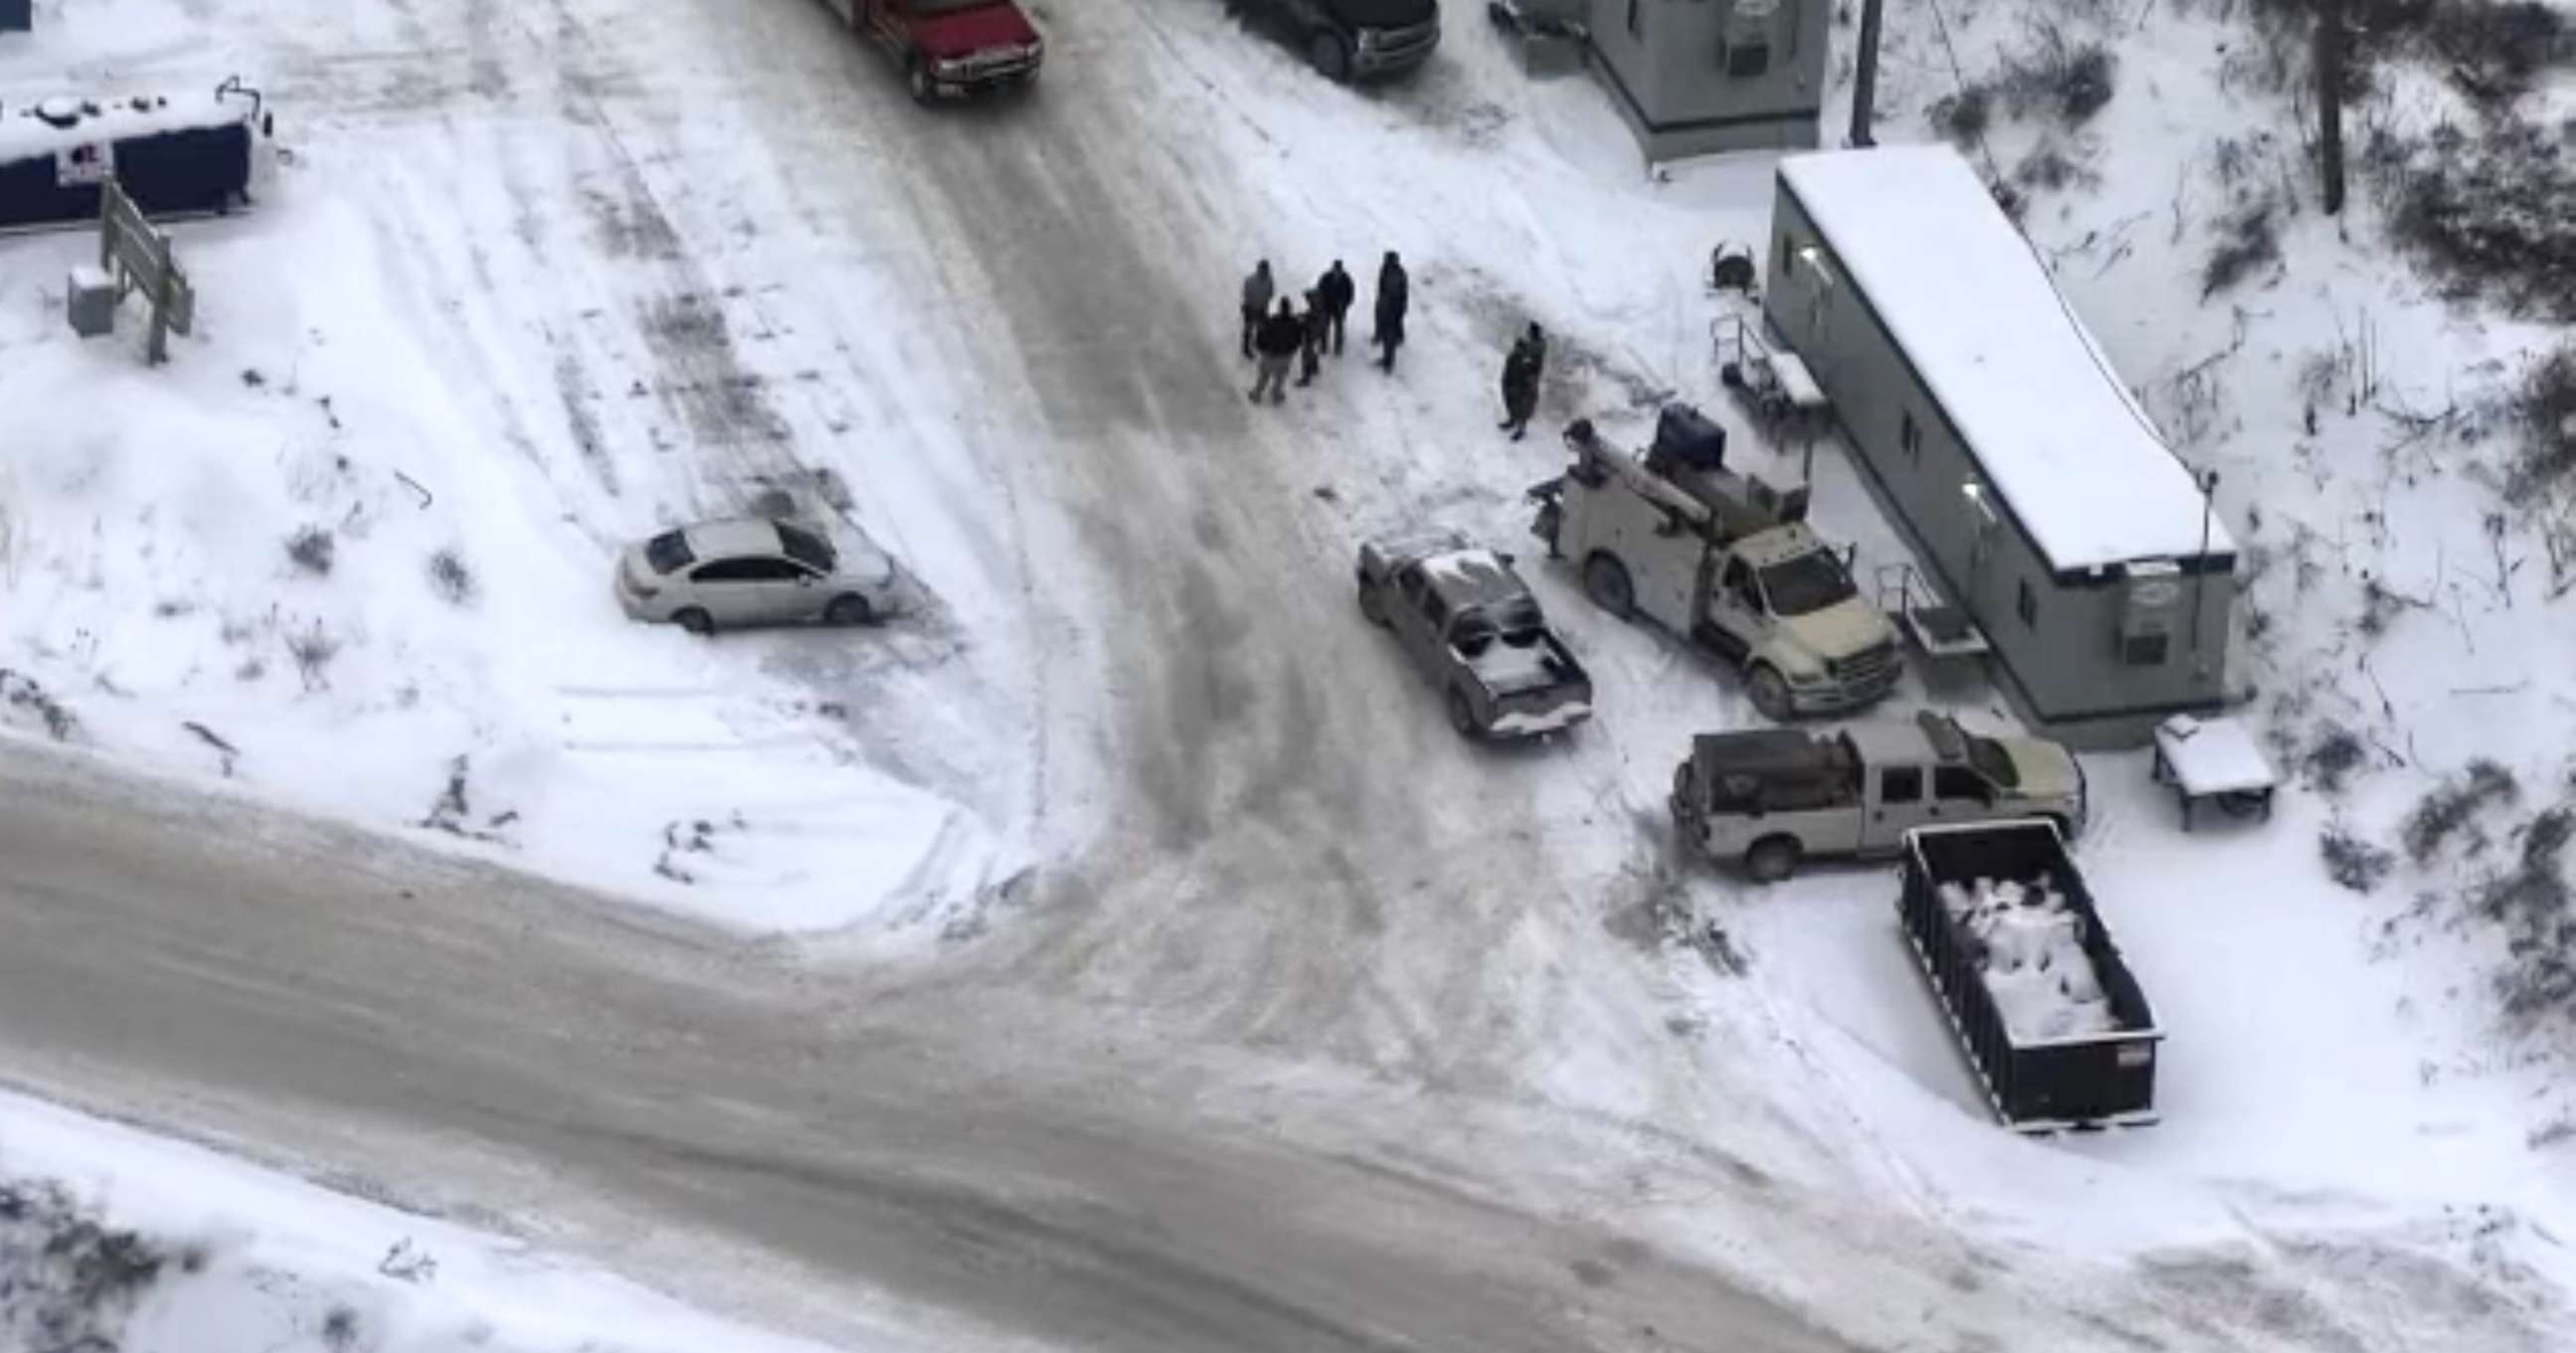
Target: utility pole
[
  {"x": 1865, "y": 74},
  {"x": 2208, "y": 482},
  {"x": 2329, "y": 63}
]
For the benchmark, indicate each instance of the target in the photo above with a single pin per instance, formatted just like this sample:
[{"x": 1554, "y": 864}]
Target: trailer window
[
  {"x": 1744, "y": 47},
  {"x": 2026, "y": 604},
  {"x": 1910, "y": 437}
]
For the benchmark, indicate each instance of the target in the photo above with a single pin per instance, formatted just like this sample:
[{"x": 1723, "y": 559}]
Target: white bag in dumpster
[{"x": 2033, "y": 958}]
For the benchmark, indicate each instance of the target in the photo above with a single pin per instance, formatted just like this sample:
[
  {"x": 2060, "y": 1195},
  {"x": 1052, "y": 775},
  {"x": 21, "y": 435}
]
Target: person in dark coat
[
  {"x": 1316, "y": 327},
  {"x": 1394, "y": 297},
  {"x": 1256, "y": 302},
  {"x": 1521, "y": 373},
  {"x": 1336, "y": 291},
  {"x": 1277, "y": 341}
]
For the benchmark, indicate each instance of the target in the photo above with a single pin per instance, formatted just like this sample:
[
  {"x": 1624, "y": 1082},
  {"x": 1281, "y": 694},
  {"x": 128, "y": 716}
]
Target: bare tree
[{"x": 2329, "y": 62}]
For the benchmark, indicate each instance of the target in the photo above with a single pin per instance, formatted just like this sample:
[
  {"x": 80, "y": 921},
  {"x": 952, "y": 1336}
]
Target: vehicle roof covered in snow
[
  {"x": 2066, "y": 446},
  {"x": 739, "y": 536},
  {"x": 1472, "y": 577},
  {"x": 1764, "y": 752},
  {"x": 1890, "y": 741}
]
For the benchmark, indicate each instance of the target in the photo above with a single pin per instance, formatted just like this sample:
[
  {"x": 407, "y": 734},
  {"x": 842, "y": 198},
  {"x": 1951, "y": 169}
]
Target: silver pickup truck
[
  {"x": 1771, "y": 798},
  {"x": 1467, "y": 619}
]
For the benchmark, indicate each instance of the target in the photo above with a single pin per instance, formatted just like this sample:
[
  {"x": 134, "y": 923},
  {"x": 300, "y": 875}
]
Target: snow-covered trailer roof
[
  {"x": 63, "y": 122},
  {"x": 1981, "y": 321}
]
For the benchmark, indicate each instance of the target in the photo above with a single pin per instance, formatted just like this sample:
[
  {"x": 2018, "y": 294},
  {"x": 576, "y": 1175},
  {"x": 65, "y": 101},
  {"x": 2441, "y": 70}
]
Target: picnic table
[{"x": 2213, "y": 759}]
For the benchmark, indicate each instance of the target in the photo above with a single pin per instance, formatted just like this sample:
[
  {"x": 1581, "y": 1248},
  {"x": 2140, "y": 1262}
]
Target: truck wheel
[
  {"x": 1731, "y": 376},
  {"x": 1772, "y": 859},
  {"x": 695, "y": 621},
  {"x": 1770, "y": 694},
  {"x": 849, "y": 609},
  {"x": 1332, "y": 59},
  {"x": 1606, "y": 581},
  {"x": 916, "y": 76},
  {"x": 1462, "y": 716},
  {"x": 1372, "y": 605}
]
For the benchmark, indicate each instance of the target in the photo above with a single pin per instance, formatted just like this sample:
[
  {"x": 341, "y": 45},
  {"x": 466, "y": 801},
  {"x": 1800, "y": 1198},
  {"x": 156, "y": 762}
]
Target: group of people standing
[{"x": 1277, "y": 337}]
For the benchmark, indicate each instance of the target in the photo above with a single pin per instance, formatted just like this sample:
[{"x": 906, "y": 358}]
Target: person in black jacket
[
  {"x": 1521, "y": 373},
  {"x": 1256, "y": 301},
  {"x": 1394, "y": 296},
  {"x": 1277, "y": 342},
  {"x": 1336, "y": 291},
  {"x": 1314, "y": 329}
]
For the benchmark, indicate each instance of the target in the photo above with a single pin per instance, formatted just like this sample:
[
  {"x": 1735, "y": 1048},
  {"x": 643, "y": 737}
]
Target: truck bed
[{"x": 2094, "y": 1068}]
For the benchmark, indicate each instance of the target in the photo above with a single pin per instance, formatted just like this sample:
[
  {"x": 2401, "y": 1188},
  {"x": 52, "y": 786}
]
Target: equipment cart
[{"x": 2214, "y": 759}]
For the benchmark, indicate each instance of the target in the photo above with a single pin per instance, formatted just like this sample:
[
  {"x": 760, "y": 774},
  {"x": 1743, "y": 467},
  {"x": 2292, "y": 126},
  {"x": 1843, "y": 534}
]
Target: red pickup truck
[{"x": 951, "y": 48}]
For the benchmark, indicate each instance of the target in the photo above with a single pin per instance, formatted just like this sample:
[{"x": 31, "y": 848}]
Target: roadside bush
[
  {"x": 2247, "y": 241},
  {"x": 2354, "y": 863},
  {"x": 2543, "y": 409},
  {"x": 2531, "y": 903},
  {"x": 1964, "y": 116},
  {"x": 312, "y": 548},
  {"x": 313, "y": 649},
  {"x": 23, "y": 692},
  {"x": 451, "y": 579},
  {"x": 2450, "y": 807},
  {"x": 2494, "y": 51},
  {"x": 69, "y": 1281},
  {"x": 2490, "y": 215},
  {"x": 2332, "y": 758},
  {"x": 2051, "y": 79}
]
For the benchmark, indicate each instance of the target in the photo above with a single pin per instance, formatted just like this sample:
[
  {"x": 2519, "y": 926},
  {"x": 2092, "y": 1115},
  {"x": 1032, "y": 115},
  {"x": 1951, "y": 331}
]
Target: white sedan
[{"x": 753, "y": 571}]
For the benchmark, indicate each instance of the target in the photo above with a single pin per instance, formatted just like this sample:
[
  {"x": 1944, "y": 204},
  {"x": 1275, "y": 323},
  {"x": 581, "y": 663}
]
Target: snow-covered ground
[
  {"x": 110, "y": 1238},
  {"x": 578, "y": 276}
]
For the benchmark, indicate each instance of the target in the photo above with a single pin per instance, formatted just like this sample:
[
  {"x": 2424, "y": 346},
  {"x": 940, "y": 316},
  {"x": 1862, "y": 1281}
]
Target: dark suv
[{"x": 1353, "y": 39}]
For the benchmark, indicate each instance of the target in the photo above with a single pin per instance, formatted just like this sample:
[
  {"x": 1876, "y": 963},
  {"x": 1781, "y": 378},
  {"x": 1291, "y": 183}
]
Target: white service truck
[{"x": 1723, "y": 559}]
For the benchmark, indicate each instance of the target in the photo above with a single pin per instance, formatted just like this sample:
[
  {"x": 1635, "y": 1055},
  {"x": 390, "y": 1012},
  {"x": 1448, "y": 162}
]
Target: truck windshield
[
  {"x": 945, "y": 6},
  {"x": 1808, "y": 583}
]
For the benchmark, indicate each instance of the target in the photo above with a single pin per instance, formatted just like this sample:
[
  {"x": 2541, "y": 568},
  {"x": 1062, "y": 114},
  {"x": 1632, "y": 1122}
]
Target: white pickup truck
[{"x": 1773, "y": 797}]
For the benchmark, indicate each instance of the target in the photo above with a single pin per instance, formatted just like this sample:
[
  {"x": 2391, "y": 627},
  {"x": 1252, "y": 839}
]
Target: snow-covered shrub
[
  {"x": 70, "y": 1282},
  {"x": 2247, "y": 241},
  {"x": 2332, "y": 758},
  {"x": 1965, "y": 115},
  {"x": 2450, "y": 806},
  {"x": 2493, "y": 51},
  {"x": 312, "y": 548},
  {"x": 313, "y": 649},
  {"x": 2489, "y": 212},
  {"x": 451, "y": 579},
  {"x": 23, "y": 692},
  {"x": 2531, "y": 903},
  {"x": 2544, "y": 413}
]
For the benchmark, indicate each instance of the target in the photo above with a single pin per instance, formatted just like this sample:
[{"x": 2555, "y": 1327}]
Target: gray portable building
[
  {"x": 2036, "y": 490},
  {"x": 1697, "y": 76}
]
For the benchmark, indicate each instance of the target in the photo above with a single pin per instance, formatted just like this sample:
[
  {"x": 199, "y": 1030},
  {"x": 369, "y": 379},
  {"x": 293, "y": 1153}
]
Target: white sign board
[{"x": 88, "y": 162}]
